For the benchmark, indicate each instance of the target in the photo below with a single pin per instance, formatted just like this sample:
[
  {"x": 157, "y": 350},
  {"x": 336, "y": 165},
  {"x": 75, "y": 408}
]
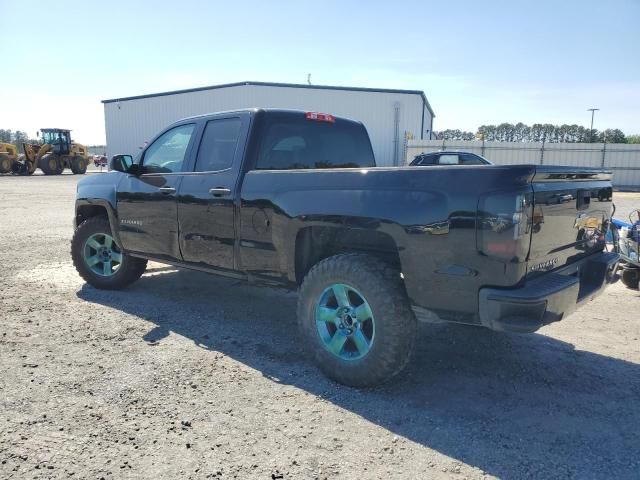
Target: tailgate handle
[{"x": 584, "y": 199}]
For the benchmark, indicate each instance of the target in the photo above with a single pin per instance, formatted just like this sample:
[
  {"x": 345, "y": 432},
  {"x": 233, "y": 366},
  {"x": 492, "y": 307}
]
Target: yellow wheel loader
[
  {"x": 56, "y": 152},
  {"x": 8, "y": 156}
]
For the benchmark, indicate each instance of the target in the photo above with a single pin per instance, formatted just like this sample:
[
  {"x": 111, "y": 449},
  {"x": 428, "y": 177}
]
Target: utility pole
[{"x": 593, "y": 111}]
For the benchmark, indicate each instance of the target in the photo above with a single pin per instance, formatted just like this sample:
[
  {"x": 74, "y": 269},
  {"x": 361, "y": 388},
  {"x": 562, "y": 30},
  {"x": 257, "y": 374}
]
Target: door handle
[
  {"x": 220, "y": 191},
  {"x": 167, "y": 190}
]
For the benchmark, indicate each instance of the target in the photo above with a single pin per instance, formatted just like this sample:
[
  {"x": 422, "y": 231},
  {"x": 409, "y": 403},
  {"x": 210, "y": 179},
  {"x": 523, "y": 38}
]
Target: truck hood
[{"x": 99, "y": 186}]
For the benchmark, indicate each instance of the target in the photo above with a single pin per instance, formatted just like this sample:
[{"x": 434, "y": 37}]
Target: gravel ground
[{"x": 186, "y": 375}]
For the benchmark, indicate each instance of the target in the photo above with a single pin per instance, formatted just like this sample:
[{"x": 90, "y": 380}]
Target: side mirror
[{"x": 121, "y": 163}]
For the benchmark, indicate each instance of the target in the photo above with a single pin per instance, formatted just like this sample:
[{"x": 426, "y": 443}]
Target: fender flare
[
  {"x": 112, "y": 214},
  {"x": 392, "y": 230}
]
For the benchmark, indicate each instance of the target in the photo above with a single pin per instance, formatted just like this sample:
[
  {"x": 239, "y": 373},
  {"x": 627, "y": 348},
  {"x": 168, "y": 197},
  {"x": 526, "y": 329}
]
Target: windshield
[{"x": 52, "y": 137}]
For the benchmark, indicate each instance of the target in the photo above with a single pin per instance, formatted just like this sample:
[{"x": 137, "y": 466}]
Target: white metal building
[{"x": 389, "y": 115}]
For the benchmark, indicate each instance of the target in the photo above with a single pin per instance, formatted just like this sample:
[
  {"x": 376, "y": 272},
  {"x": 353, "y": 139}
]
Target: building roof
[{"x": 284, "y": 85}]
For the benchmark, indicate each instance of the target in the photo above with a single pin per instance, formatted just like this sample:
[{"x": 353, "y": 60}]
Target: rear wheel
[
  {"x": 356, "y": 320},
  {"x": 78, "y": 165},
  {"x": 5, "y": 164},
  {"x": 50, "y": 164},
  {"x": 99, "y": 259}
]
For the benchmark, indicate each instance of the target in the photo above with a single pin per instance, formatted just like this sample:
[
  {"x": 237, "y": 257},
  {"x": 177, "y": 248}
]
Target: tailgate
[{"x": 570, "y": 214}]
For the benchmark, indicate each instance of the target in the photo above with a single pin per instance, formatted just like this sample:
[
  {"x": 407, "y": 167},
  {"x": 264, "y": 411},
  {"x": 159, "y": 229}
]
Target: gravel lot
[{"x": 186, "y": 375}]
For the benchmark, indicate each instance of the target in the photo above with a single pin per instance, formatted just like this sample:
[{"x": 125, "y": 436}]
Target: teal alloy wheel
[
  {"x": 102, "y": 255},
  {"x": 344, "y": 322}
]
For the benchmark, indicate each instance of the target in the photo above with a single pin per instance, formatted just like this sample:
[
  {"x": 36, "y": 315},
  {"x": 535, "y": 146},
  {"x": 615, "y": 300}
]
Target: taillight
[
  {"x": 320, "y": 117},
  {"x": 504, "y": 225}
]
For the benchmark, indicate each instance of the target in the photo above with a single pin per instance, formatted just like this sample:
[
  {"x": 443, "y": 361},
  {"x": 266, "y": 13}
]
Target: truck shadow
[{"x": 506, "y": 404}]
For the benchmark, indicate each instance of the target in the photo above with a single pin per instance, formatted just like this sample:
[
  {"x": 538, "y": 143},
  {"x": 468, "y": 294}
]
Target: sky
[{"x": 477, "y": 62}]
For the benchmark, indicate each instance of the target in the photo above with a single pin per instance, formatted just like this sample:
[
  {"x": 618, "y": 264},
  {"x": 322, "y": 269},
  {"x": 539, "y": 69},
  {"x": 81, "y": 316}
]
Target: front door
[
  {"x": 147, "y": 208},
  {"x": 207, "y": 196}
]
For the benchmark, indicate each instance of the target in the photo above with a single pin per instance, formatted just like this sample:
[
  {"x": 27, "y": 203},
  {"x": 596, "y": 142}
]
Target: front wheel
[
  {"x": 99, "y": 259},
  {"x": 78, "y": 165},
  {"x": 50, "y": 164},
  {"x": 356, "y": 320}
]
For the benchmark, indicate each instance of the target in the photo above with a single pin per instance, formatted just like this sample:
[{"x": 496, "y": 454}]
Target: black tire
[
  {"x": 78, "y": 165},
  {"x": 631, "y": 277},
  {"x": 129, "y": 271},
  {"x": 28, "y": 168},
  {"x": 18, "y": 168},
  {"x": 5, "y": 164},
  {"x": 395, "y": 324},
  {"x": 50, "y": 164}
]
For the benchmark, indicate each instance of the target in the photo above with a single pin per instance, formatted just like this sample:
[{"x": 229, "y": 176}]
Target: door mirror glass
[{"x": 121, "y": 163}]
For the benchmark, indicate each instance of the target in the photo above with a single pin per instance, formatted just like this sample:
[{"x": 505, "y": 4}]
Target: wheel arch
[
  {"x": 314, "y": 243},
  {"x": 91, "y": 207}
]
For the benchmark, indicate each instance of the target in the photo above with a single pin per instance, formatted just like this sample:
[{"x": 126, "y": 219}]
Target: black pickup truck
[{"x": 294, "y": 198}]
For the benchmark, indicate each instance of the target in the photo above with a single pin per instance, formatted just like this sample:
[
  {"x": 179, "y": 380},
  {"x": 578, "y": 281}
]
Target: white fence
[
  {"x": 622, "y": 159},
  {"x": 97, "y": 150}
]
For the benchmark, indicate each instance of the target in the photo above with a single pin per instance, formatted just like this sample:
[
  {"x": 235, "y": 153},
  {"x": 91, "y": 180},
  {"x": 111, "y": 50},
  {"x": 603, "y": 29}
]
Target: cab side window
[
  {"x": 448, "y": 159},
  {"x": 218, "y": 145},
  {"x": 428, "y": 160},
  {"x": 167, "y": 153},
  {"x": 467, "y": 159}
]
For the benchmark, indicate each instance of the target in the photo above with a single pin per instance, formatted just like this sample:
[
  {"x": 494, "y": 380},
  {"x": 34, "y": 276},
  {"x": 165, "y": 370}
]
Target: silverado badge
[
  {"x": 546, "y": 265},
  {"x": 130, "y": 221}
]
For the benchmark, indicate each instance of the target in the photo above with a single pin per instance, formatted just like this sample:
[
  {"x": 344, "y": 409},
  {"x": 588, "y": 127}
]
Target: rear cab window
[{"x": 291, "y": 141}]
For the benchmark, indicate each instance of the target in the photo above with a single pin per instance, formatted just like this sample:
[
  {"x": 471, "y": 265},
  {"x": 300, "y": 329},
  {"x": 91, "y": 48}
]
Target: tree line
[
  {"x": 17, "y": 138},
  {"x": 539, "y": 132}
]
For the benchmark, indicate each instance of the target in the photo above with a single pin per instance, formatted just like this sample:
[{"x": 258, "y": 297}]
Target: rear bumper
[{"x": 547, "y": 298}]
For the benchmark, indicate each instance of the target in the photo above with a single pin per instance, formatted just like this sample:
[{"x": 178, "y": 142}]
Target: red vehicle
[{"x": 100, "y": 161}]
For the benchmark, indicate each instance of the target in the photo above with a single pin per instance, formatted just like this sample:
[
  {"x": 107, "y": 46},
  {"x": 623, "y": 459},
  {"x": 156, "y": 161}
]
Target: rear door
[
  {"x": 289, "y": 141},
  {"x": 207, "y": 197},
  {"x": 569, "y": 219},
  {"x": 147, "y": 209}
]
